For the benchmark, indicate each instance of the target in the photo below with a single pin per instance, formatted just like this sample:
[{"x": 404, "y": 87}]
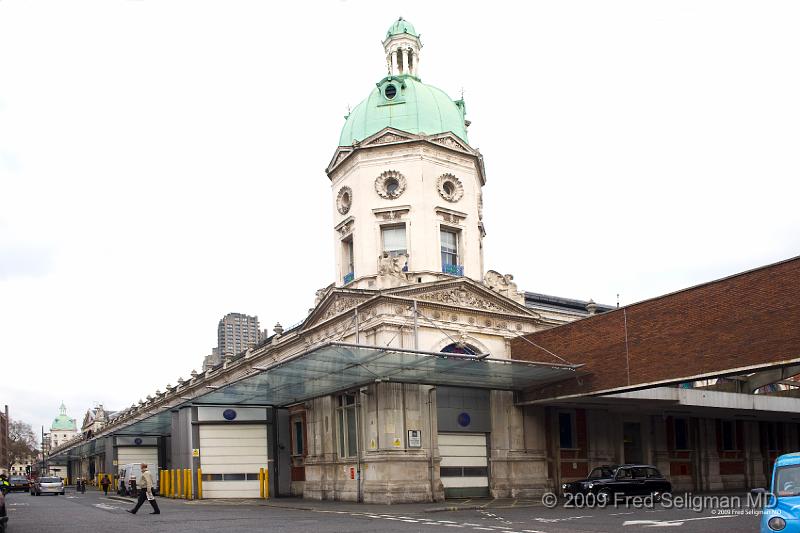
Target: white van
[{"x": 129, "y": 476}]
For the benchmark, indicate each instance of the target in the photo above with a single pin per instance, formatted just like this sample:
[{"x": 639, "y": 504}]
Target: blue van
[{"x": 782, "y": 512}]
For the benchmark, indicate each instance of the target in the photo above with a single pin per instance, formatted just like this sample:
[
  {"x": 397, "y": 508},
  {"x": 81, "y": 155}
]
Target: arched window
[{"x": 460, "y": 348}]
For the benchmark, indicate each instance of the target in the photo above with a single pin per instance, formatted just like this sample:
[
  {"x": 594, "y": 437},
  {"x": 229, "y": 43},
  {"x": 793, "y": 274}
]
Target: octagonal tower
[{"x": 406, "y": 184}]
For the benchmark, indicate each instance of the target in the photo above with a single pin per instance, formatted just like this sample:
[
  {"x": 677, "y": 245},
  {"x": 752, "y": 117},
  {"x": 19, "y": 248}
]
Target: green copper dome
[
  {"x": 62, "y": 422},
  {"x": 407, "y": 104},
  {"x": 401, "y": 26}
]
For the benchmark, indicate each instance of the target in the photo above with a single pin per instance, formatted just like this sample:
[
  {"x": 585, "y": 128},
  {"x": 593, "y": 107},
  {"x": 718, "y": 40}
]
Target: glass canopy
[{"x": 335, "y": 367}]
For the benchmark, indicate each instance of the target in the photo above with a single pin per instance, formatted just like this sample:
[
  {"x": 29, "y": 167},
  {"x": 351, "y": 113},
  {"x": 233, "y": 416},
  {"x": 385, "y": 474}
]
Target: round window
[
  {"x": 390, "y": 184},
  {"x": 390, "y": 92},
  {"x": 344, "y": 200},
  {"x": 450, "y": 187}
]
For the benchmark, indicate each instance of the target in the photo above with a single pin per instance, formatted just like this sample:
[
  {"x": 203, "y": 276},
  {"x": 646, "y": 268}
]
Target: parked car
[
  {"x": 129, "y": 476},
  {"x": 627, "y": 480},
  {"x": 47, "y": 485},
  {"x": 782, "y": 503},
  {"x": 3, "y": 514},
  {"x": 18, "y": 483}
]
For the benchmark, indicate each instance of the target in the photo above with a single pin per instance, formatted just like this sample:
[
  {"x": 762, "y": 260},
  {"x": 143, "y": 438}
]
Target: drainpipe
[
  {"x": 416, "y": 337},
  {"x": 431, "y": 468}
]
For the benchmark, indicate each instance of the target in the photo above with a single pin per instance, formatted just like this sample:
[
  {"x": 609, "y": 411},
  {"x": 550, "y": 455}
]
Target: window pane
[
  {"x": 449, "y": 241},
  {"x": 341, "y": 429},
  {"x": 681, "y": 434},
  {"x": 351, "y": 433},
  {"x": 298, "y": 437},
  {"x": 394, "y": 240},
  {"x": 565, "y": 430}
]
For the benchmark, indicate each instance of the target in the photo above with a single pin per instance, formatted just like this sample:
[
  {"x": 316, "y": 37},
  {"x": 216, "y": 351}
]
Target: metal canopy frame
[{"x": 337, "y": 366}]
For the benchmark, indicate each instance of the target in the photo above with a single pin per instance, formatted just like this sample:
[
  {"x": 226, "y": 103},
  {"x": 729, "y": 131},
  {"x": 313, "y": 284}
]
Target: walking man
[
  {"x": 105, "y": 482},
  {"x": 146, "y": 491}
]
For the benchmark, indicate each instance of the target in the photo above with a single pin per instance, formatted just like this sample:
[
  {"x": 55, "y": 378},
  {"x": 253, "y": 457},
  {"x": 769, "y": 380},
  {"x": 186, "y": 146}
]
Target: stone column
[
  {"x": 708, "y": 456},
  {"x": 754, "y": 460},
  {"x": 659, "y": 446}
]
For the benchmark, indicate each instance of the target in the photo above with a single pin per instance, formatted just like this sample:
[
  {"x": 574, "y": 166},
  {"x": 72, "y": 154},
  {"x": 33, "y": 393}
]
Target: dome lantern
[{"x": 402, "y": 46}]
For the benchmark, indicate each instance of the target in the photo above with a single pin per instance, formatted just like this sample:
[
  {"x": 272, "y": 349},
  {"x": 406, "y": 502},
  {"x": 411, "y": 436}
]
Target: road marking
[
  {"x": 105, "y": 506},
  {"x": 671, "y": 523}
]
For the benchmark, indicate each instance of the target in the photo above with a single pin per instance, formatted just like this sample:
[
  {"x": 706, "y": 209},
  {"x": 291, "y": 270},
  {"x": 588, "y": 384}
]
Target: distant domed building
[{"x": 63, "y": 428}]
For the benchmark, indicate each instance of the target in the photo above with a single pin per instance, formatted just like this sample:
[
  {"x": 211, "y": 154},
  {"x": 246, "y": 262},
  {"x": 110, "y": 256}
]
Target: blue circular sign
[
  {"x": 464, "y": 420},
  {"x": 228, "y": 414},
  {"x": 137, "y": 441}
]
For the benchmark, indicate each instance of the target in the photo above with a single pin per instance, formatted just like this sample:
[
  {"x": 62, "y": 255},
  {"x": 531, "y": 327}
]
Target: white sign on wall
[{"x": 414, "y": 438}]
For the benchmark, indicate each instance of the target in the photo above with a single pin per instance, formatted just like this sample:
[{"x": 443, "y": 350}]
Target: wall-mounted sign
[
  {"x": 464, "y": 420},
  {"x": 397, "y": 443},
  {"x": 229, "y": 414},
  {"x": 137, "y": 441},
  {"x": 414, "y": 438},
  {"x": 195, "y": 452}
]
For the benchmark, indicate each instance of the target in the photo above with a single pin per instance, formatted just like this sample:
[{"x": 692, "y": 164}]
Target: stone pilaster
[{"x": 518, "y": 458}]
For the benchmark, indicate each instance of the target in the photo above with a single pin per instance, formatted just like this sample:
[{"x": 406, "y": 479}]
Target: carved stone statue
[
  {"x": 391, "y": 270},
  {"x": 503, "y": 284},
  {"x": 392, "y": 265}
]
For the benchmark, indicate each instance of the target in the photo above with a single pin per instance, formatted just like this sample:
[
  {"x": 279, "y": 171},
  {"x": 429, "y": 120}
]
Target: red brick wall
[{"x": 745, "y": 320}]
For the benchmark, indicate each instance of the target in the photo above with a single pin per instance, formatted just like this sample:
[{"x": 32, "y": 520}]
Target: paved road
[{"x": 91, "y": 512}]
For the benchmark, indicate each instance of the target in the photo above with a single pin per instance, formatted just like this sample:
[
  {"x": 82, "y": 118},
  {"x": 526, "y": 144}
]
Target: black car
[
  {"x": 18, "y": 483},
  {"x": 627, "y": 480}
]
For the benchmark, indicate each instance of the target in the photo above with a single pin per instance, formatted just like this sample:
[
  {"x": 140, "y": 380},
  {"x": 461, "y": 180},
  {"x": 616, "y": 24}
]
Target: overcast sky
[{"x": 161, "y": 162}]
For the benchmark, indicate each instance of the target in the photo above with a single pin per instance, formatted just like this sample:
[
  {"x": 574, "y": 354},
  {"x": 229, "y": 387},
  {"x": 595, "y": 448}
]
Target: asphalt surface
[{"x": 93, "y": 512}]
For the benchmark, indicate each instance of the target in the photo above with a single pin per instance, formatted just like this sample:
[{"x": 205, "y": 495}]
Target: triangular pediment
[
  {"x": 452, "y": 141},
  {"x": 339, "y": 155},
  {"x": 387, "y": 136},
  {"x": 463, "y": 293},
  {"x": 335, "y": 303}
]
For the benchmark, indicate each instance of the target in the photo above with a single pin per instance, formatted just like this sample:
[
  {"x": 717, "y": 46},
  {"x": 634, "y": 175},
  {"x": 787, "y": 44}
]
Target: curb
[{"x": 454, "y": 508}]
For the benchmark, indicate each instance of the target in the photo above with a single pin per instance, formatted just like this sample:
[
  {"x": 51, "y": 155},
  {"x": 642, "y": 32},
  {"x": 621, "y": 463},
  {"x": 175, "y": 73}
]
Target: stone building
[
  {"x": 63, "y": 428},
  {"x": 415, "y": 375}
]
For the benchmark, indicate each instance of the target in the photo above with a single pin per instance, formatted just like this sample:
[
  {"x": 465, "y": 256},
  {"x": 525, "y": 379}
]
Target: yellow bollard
[
  {"x": 266, "y": 483},
  {"x": 261, "y": 483},
  {"x": 199, "y": 483},
  {"x": 172, "y": 483},
  {"x": 185, "y": 486}
]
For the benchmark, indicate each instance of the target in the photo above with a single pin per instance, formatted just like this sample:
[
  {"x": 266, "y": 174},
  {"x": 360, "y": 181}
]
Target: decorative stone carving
[
  {"x": 503, "y": 285},
  {"x": 449, "y": 142},
  {"x": 480, "y": 205},
  {"x": 392, "y": 265},
  {"x": 450, "y": 188},
  {"x": 448, "y": 215},
  {"x": 339, "y": 306},
  {"x": 391, "y": 213},
  {"x": 388, "y": 138},
  {"x": 390, "y": 184},
  {"x": 462, "y": 298},
  {"x": 345, "y": 227},
  {"x": 344, "y": 200}
]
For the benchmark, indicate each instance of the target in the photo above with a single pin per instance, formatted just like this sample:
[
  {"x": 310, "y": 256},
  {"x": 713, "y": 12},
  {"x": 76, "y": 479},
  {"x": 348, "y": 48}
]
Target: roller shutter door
[
  {"x": 137, "y": 454},
  {"x": 464, "y": 469},
  {"x": 231, "y": 457}
]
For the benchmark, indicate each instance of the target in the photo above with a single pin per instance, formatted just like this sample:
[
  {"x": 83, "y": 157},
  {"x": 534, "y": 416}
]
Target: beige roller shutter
[
  {"x": 231, "y": 456},
  {"x": 464, "y": 469}
]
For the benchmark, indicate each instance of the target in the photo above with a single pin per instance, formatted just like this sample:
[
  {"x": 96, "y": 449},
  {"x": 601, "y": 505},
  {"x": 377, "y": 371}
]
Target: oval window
[
  {"x": 390, "y": 92},
  {"x": 448, "y": 187}
]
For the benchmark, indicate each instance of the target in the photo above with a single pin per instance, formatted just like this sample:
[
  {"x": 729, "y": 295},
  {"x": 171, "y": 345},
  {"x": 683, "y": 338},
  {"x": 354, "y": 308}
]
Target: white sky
[{"x": 161, "y": 162}]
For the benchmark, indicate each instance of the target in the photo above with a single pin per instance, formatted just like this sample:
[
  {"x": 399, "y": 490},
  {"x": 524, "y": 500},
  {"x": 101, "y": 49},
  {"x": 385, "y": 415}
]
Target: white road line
[{"x": 671, "y": 523}]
